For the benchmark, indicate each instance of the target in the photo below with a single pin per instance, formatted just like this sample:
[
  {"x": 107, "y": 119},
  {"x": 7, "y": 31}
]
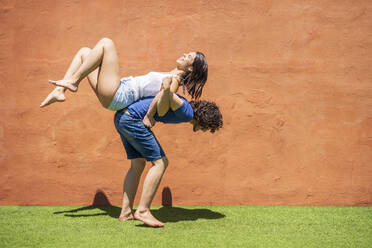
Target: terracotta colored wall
[{"x": 293, "y": 79}]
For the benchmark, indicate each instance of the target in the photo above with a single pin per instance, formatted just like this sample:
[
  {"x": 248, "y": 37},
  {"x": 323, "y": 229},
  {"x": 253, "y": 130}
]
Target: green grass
[{"x": 206, "y": 226}]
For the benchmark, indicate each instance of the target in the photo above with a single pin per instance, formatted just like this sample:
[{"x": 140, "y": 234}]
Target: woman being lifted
[{"x": 101, "y": 66}]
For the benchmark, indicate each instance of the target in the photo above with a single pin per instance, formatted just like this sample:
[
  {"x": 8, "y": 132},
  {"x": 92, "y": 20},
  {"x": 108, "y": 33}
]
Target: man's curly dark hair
[{"x": 207, "y": 115}]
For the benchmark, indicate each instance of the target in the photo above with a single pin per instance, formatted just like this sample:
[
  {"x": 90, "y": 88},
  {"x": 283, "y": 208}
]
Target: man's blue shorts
[{"x": 138, "y": 140}]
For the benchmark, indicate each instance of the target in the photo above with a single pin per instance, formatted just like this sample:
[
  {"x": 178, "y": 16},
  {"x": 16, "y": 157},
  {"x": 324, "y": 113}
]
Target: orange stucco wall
[{"x": 292, "y": 78}]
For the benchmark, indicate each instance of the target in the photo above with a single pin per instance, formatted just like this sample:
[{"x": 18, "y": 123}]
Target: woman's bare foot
[
  {"x": 149, "y": 121},
  {"x": 57, "y": 95},
  {"x": 126, "y": 216},
  {"x": 66, "y": 83},
  {"x": 147, "y": 218}
]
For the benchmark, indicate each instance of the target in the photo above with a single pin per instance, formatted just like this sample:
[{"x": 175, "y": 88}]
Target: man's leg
[
  {"x": 150, "y": 187},
  {"x": 130, "y": 187}
]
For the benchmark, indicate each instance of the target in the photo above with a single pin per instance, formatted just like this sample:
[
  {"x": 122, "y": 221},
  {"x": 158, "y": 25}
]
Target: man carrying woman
[{"x": 141, "y": 145}]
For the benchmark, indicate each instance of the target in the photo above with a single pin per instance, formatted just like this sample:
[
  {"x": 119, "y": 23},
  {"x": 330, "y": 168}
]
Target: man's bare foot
[
  {"x": 149, "y": 121},
  {"x": 147, "y": 218},
  {"x": 66, "y": 83},
  {"x": 124, "y": 217},
  {"x": 56, "y": 95}
]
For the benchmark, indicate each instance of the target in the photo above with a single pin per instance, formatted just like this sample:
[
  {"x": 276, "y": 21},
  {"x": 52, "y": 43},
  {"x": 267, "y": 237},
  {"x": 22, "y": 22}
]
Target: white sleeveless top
[{"x": 147, "y": 85}]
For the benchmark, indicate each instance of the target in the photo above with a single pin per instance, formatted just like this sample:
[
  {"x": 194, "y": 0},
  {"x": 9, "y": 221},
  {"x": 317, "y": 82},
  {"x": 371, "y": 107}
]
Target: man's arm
[{"x": 151, "y": 112}]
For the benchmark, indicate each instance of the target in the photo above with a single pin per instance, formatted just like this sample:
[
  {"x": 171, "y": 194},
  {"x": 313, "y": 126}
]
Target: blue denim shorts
[
  {"x": 138, "y": 140},
  {"x": 124, "y": 95}
]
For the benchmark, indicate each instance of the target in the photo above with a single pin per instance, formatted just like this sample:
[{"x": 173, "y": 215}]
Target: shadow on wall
[
  {"x": 167, "y": 213},
  {"x": 166, "y": 197}
]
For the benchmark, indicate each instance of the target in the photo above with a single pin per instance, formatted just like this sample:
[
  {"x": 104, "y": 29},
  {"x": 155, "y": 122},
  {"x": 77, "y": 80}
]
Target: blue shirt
[{"x": 184, "y": 113}]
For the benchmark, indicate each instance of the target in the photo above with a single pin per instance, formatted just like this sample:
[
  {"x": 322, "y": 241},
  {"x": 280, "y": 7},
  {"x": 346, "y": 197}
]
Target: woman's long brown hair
[{"x": 195, "y": 80}]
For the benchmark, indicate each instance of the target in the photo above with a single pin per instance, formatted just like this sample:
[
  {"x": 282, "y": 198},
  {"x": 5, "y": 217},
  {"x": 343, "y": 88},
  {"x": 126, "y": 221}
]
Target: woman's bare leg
[
  {"x": 57, "y": 95},
  {"x": 150, "y": 187},
  {"x": 103, "y": 55},
  {"x": 130, "y": 188}
]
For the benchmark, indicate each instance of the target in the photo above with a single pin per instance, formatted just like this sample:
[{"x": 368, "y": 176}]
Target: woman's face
[{"x": 185, "y": 61}]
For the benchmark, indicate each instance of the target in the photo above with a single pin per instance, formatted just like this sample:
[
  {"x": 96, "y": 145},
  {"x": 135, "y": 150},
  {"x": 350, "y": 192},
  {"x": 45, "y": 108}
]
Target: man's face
[{"x": 197, "y": 126}]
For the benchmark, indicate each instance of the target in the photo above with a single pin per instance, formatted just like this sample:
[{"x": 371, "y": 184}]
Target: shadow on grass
[
  {"x": 101, "y": 202},
  {"x": 175, "y": 214},
  {"x": 164, "y": 214}
]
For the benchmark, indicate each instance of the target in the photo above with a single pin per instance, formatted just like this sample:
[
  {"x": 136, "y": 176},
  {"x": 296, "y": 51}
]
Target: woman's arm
[
  {"x": 167, "y": 100},
  {"x": 172, "y": 84}
]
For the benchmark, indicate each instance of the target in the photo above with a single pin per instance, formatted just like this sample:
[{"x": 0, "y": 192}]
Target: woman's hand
[
  {"x": 149, "y": 121},
  {"x": 166, "y": 83}
]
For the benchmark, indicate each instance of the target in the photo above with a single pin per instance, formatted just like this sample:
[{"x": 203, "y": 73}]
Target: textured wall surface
[{"x": 292, "y": 78}]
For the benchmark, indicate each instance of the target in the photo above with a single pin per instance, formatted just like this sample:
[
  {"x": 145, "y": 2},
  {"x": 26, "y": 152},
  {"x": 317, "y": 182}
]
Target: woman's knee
[
  {"x": 106, "y": 42},
  {"x": 84, "y": 51}
]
